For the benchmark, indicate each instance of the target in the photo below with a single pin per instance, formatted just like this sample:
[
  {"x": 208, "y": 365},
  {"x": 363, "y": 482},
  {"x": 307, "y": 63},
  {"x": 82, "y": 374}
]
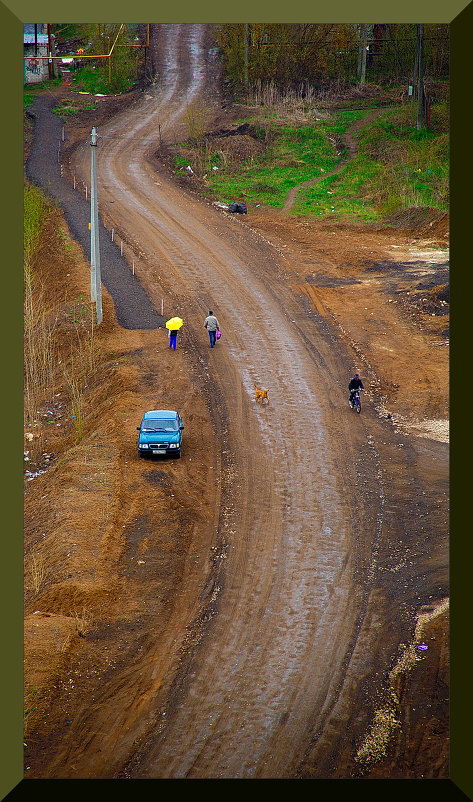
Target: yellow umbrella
[{"x": 174, "y": 323}]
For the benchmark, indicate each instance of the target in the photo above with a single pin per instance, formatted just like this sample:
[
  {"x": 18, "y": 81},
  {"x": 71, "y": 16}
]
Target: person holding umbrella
[{"x": 173, "y": 325}]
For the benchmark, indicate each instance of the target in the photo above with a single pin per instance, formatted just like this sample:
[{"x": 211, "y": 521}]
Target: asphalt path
[{"x": 133, "y": 306}]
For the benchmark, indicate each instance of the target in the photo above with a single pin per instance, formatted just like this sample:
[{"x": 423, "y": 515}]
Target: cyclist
[{"x": 355, "y": 384}]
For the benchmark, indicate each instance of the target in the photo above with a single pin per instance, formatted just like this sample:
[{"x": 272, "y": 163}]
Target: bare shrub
[
  {"x": 59, "y": 337},
  {"x": 36, "y": 573},
  {"x": 78, "y": 369},
  {"x": 39, "y": 359},
  {"x": 84, "y": 620},
  {"x": 296, "y": 104},
  {"x": 39, "y": 321},
  {"x": 196, "y": 117}
]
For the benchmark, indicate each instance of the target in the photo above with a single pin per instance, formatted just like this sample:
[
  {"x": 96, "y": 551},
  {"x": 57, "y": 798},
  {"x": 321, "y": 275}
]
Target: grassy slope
[{"x": 395, "y": 167}]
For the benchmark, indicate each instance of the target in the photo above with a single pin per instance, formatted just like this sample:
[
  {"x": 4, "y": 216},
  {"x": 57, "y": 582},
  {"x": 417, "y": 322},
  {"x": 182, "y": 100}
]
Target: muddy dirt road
[{"x": 325, "y": 535}]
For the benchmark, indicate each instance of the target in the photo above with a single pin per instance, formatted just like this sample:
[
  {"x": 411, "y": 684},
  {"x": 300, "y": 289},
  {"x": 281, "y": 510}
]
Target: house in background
[{"x": 37, "y": 41}]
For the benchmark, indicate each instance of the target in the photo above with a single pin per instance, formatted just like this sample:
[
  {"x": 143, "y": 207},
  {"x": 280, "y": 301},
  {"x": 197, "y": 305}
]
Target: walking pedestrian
[
  {"x": 212, "y": 325},
  {"x": 173, "y": 338},
  {"x": 173, "y": 325}
]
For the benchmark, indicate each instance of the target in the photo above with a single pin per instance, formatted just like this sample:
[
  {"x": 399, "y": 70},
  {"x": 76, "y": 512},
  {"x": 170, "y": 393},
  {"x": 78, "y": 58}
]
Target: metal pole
[
  {"x": 50, "y": 61},
  {"x": 420, "y": 78},
  {"x": 95, "y": 276},
  {"x": 93, "y": 243}
]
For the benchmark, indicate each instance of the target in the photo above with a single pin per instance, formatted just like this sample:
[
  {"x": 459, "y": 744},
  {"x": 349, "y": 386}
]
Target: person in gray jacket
[{"x": 212, "y": 325}]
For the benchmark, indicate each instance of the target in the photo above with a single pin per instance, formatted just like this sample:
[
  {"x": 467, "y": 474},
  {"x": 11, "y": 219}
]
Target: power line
[
  {"x": 134, "y": 138},
  {"x": 444, "y": 39}
]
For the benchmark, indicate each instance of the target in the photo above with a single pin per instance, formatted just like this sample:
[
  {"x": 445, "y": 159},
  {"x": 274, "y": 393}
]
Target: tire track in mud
[
  {"x": 291, "y": 371},
  {"x": 264, "y": 510}
]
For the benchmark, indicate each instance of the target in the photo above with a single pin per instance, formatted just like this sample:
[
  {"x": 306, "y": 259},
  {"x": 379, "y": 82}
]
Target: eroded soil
[{"x": 253, "y": 609}]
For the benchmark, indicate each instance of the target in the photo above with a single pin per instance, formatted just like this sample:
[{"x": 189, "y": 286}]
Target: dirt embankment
[{"x": 130, "y": 565}]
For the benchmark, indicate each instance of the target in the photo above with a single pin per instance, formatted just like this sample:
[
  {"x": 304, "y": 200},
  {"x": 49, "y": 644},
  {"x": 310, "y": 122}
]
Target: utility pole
[
  {"x": 245, "y": 53},
  {"x": 420, "y": 78},
  {"x": 95, "y": 276},
  {"x": 50, "y": 61}
]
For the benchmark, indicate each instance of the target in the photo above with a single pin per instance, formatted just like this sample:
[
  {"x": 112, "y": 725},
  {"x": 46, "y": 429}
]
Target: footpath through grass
[
  {"x": 395, "y": 166},
  {"x": 31, "y": 91},
  {"x": 294, "y": 155}
]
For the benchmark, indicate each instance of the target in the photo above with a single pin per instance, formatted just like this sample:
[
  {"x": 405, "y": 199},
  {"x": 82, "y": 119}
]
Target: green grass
[
  {"x": 340, "y": 194},
  {"x": 95, "y": 81},
  {"x": 73, "y": 107},
  {"x": 294, "y": 155},
  {"x": 31, "y": 91},
  {"x": 412, "y": 165},
  {"x": 68, "y": 30},
  {"x": 123, "y": 74},
  {"x": 35, "y": 206}
]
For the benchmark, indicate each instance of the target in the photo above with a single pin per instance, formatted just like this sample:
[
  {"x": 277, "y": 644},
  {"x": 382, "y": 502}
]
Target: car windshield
[{"x": 158, "y": 425}]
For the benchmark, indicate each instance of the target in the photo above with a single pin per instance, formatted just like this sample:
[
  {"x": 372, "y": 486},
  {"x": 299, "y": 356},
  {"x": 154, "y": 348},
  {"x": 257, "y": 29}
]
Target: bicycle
[{"x": 355, "y": 402}]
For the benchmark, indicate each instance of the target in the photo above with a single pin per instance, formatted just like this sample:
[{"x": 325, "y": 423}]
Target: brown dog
[{"x": 261, "y": 395}]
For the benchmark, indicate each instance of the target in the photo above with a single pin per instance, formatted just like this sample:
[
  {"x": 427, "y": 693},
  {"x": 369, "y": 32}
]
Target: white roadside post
[{"x": 95, "y": 276}]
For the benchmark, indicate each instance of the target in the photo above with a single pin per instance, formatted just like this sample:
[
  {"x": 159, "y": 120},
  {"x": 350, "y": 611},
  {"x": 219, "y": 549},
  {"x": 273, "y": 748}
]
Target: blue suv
[{"x": 160, "y": 433}]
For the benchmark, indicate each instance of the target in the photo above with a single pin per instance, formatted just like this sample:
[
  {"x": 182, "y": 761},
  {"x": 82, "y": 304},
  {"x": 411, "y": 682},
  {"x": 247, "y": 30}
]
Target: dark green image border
[{"x": 12, "y": 16}]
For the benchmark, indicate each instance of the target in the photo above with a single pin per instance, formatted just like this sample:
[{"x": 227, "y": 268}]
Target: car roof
[{"x": 161, "y": 413}]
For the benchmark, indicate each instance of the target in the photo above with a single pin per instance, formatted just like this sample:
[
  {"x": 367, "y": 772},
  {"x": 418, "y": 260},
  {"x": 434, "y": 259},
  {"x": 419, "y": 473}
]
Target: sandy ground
[{"x": 253, "y": 609}]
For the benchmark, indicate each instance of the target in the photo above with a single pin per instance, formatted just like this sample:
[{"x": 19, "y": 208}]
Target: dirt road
[{"x": 325, "y": 532}]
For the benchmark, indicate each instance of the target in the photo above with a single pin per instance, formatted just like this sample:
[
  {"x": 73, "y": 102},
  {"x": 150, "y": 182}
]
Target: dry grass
[
  {"x": 60, "y": 344},
  {"x": 36, "y": 573},
  {"x": 293, "y": 105},
  {"x": 83, "y": 620},
  {"x": 39, "y": 357},
  {"x": 196, "y": 117},
  {"x": 39, "y": 320}
]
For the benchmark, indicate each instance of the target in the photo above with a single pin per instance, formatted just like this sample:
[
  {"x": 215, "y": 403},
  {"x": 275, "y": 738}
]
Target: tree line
[{"x": 291, "y": 53}]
